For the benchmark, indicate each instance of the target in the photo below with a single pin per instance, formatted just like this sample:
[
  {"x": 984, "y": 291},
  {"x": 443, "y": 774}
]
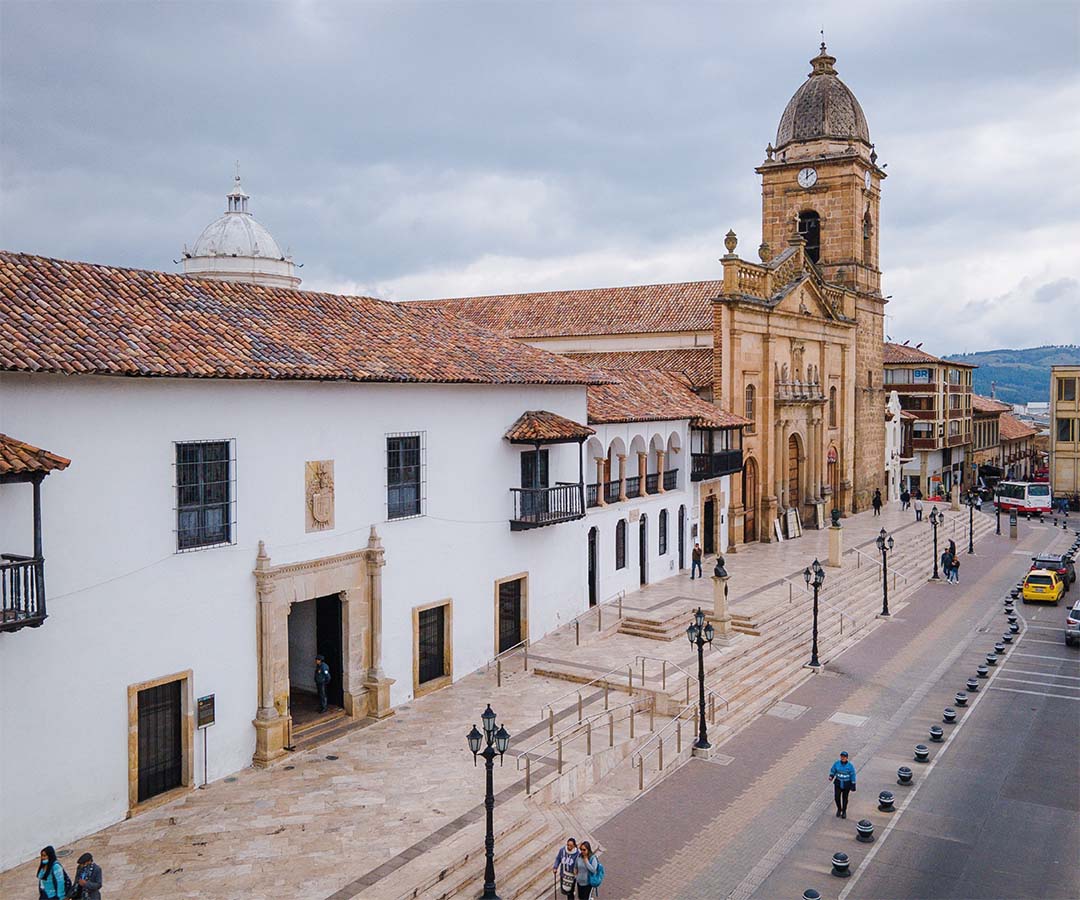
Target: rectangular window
[
  {"x": 205, "y": 472},
  {"x": 924, "y": 429},
  {"x": 954, "y": 428},
  {"x": 1065, "y": 430},
  {"x": 404, "y": 475},
  {"x": 432, "y": 649},
  {"x": 1066, "y": 389}
]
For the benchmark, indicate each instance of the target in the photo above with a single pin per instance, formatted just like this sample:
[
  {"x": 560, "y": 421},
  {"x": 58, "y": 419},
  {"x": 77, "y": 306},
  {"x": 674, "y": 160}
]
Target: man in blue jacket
[
  {"x": 322, "y": 679},
  {"x": 842, "y": 775}
]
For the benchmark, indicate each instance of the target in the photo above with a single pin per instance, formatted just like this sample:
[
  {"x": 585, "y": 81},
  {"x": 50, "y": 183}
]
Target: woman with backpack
[
  {"x": 565, "y": 868},
  {"x": 589, "y": 871},
  {"x": 53, "y": 881}
]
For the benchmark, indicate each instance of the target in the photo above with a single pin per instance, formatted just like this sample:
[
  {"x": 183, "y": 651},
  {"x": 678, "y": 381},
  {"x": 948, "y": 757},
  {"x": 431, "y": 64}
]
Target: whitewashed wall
[{"x": 125, "y": 608}]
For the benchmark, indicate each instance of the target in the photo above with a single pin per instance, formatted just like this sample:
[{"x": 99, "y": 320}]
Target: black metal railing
[
  {"x": 713, "y": 465},
  {"x": 633, "y": 486},
  {"x": 611, "y": 492},
  {"x": 671, "y": 479},
  {"x": 652, "y": 483},
  {"x": 591, "y": 495},
  {"x": 22, "y": 600},
  {"x": 535, "y": 507}
]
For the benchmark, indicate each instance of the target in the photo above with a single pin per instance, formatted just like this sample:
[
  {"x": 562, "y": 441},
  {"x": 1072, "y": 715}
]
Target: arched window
[
  {"x": 867, "y": 232},
  {"x": 663, "y": 532},
  {"x": 832, "y": 407},
  {"x": 810, "y": 229},
  {"x": 620, "y": 544},
  {"x": 750, "y": 403}
]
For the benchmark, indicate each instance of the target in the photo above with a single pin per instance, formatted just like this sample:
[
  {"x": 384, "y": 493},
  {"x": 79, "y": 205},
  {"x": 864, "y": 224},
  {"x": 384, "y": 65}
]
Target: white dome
[{"x": 237, "y": 248}]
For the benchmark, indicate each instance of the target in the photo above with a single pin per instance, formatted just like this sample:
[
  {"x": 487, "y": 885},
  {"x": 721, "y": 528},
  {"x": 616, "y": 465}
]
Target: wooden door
[
  {"x": 682, "y": 537},
  {"x": 794, "y": 498},
  {"x": 509, "y": 614},
  {"x": 643, "y": 550},
  {"x": 750, "y": 491},
  {"x": 161, "y": 754},
  {"x": 708, "y": 543},
  {"x": 592, "y": 567}
]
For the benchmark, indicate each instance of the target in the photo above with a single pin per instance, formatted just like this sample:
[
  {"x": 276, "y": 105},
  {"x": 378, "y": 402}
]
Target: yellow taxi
[{"x": 1043, "y": 585}]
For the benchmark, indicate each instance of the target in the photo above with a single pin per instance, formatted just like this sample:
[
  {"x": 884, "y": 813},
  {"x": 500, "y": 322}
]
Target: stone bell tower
[{"x": 822, "y": 180}]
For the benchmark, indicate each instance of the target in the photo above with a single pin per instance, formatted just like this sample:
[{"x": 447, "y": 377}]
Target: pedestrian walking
[
  {"x": 842, "y": 776},
  {"x": 918, "y": 493},
  {"x": 695, "y": 561},
  {"x": 918, "y": 509},
  {"x": 876, "y": 502},
  {"x": 53, "y": 881},
  {"x": 322, "y": 679},
  {"x": 589, "y": 872},
  {"x": 88, "y": 879},
  {"x": 954, "y": 569},
  {"x": 905, "y": 499},
  {"x": 565, "y": 868}
]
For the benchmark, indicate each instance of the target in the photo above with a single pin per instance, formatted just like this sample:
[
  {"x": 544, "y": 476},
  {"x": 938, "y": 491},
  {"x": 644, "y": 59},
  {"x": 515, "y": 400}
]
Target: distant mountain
[{"x": 1018, "y": 376}]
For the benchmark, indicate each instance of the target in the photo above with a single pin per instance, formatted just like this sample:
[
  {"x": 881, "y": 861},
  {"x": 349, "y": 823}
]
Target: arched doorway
[
  {"x": 833, "y": 467},
  {"x": 750, "y": 499},
  {"x": 682, "y": 537},
  {"x": 593, "y": 567},
  {"x": 643, "y": 549},
  {"x": 794, "y": 498}
]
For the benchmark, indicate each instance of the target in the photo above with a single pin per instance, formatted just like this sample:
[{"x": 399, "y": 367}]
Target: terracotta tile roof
[
  {"x": 17, "y": 457},
  {"x": 899, "y": 354},
  {"x": 693, "y": 362},
  {"x": 541, "y": 426},
  {"x": 1011, "y": 428},
  {"x": 636, "y": 309},
  {"x": 652, "y": 396},
  {"x": 987, "y": 405},
  {"x": 80, "y": 318}
]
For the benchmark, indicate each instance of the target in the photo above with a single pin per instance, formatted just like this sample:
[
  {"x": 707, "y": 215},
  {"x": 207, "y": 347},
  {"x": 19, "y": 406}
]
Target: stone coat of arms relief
[{"x": 319, "y": 495}]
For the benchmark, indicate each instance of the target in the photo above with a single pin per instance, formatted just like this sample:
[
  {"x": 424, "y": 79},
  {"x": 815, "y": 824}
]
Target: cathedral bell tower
[{"x": 822, "y": 179}]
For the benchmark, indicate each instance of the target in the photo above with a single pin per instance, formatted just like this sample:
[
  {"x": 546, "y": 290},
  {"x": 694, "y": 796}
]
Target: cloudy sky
[{"x": 445, "y": 148}]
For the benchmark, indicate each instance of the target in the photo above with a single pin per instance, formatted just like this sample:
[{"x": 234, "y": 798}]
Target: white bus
[{"x": 1028, "y": 497}]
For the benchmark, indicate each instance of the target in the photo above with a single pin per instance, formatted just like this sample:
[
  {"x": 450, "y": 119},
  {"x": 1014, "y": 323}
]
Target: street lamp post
[
  {"x": 700, "y": 633},
  {"x": 497, "y": 739},
  {"x": 973, "y": 501},
  {"x": 936, "y": 519},
  {"x": 885, "y": 544},
  {"x": 997, "y": 504},
  {"x": 815, "y": 576}
]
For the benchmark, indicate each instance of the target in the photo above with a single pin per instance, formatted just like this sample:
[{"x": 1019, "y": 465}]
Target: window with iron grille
[
  {"x": 620, "y": 544},
  {"x": 663, "y": 532},
  {"x": 205, "y": 476},
  {"x": 405, "y": 465}
]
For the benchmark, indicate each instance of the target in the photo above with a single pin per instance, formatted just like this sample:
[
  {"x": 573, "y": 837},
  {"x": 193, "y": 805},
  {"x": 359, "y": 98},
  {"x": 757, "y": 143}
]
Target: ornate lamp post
[
  {"x": 936, "y": 519},
  {"x": 497, "y": 739},
  {"x": 997, "y": 505},
  {"x": 885, "y": 544},
  {"x": 814, "y": 575},
  {"x": 972, "y": 502},
  {"x": 700, "y": 633}
]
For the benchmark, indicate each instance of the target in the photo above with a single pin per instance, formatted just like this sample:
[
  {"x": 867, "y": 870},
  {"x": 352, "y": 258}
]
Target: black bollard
[
  {"x": 903, "y": 775},
  {"x": 972, "y": 685},
  {"x": 865, "y": 831},
  {"x": 961, "y": 698},
  {"x": 936, "y": 734},
  {"x": 991, "y": 659},
  {"x": 885, "y": 801},
  {"x": 810, "y": 894},
  {"x": 982, "y": 671},
  {"x": 1007, "y": 638},
  {"x": 922, "y": 753},
  {"x": 1013, "y": 619},
  {"x": 949, "y": 716},
  {"x": 1014, "y": 628},
  {"x": 999, "y": 648},
  {"x": 841, "y": 865}
]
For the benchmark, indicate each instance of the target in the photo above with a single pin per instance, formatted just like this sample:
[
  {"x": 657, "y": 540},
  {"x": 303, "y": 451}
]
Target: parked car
[
  {"x": 1072, "y": 626},
  {"x": 1061, "y": 563},
  {"x": 1043, "y": 586}
]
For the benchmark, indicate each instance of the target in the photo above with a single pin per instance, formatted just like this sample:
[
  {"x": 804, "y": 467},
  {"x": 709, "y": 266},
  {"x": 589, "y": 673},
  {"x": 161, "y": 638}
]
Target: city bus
[{"x": 1032, "y": 498}]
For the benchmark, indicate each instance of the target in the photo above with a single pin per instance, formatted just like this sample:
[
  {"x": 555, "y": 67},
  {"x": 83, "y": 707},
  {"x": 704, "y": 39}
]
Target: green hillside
[{"x": 1019, "y": 376}]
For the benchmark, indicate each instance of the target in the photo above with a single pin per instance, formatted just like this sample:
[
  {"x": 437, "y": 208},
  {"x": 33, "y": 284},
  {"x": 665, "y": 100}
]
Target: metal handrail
[
  {"x": 895, "y": 574},
  {"x": 790, "y": 584},
  {"x": 617, "y": 597},
  {"x": 548, "y": 709},
  {"x": 689, "y": 677},
  {"x": 637, "y": 760},
  {"x": 573, "y": 726},
  {"x": 498, "y": 658}
]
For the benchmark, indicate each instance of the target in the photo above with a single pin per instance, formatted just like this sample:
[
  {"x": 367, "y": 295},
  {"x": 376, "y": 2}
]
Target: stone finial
[
  {"x": 873, "y": 155},
  {"x": 764, "y": 251},
  {"x": 770, "y": 152},
  {"x": 374, "y": 542},
  {"x": 731, "y": 241},
  {"x": 262, "y": 558}
]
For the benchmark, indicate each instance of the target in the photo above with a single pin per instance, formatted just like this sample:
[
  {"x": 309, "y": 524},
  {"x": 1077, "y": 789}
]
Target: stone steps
[{"x": 324, "y": 730}]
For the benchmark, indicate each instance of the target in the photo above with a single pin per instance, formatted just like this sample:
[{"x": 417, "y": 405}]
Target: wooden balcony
[
  {"x": 713, "y": 465},
  {"x": 22, "y": 592},
  {"x": 537, "y": 507}
]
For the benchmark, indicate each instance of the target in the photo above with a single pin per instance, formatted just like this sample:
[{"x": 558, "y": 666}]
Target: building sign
[
  {"x": 921, "y": 376},
  {"x": 204, "y": 714}
]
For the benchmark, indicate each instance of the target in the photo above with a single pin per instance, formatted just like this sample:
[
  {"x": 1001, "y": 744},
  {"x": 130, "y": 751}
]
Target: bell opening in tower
[{"x": 810, "y": 230}]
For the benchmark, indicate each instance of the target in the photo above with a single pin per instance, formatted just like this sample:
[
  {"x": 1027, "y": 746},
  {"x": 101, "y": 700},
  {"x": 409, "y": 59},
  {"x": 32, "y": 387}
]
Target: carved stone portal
[{"x": 319, "y": 495}]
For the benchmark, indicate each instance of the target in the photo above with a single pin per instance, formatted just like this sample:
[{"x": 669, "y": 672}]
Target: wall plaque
[{"x": 319, "y": 495}]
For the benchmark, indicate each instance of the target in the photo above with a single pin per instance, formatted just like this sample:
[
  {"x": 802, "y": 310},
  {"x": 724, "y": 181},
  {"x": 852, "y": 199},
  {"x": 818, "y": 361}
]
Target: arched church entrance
[{"x": 794, "y": 497}]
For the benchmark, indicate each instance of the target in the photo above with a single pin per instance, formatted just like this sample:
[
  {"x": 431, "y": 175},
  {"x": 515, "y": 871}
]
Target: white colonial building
[{"x": 245, "y": 475}]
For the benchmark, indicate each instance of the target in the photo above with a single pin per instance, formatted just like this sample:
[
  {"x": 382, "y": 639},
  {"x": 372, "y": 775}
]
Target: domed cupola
[
  {"x": 822, "y": 108},
  {"x": 237, "y": 248}
]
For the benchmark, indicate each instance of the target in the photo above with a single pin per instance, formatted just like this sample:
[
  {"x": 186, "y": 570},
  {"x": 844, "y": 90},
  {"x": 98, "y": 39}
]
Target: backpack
[
  {"x": 597, "y": 878},
  {"x": 67, "y": 882}
]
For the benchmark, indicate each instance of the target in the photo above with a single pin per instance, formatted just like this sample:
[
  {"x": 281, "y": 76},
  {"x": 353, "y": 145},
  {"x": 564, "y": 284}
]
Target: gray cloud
[{"x": 441, "y": 148}]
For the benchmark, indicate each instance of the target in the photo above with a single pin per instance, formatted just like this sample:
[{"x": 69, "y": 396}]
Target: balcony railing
[
  {"x": 611, "y": 492},
  {"x": 536, "y": 507},
  {"x": 591, "y": 494},
  {"x": 652, "y": 483},
  {"x": 671, "y": 479},
  {"x": 713, "y": 465},
  {"x": 633, "y": 486},
  {"x": 22, "y": 603}
]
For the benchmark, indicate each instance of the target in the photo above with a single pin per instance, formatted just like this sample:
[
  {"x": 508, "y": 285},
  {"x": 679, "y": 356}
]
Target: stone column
[
  {"x": 272, "y": 725},
  {"x": 600, "y": 463},
  {"x": 660, "y": 454},
  {"x": 721, "y": 618},
  {"x": 643, "y": 469},
  {"x": 377, "y": 683},
  {"x": 622, "y": 476}
]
